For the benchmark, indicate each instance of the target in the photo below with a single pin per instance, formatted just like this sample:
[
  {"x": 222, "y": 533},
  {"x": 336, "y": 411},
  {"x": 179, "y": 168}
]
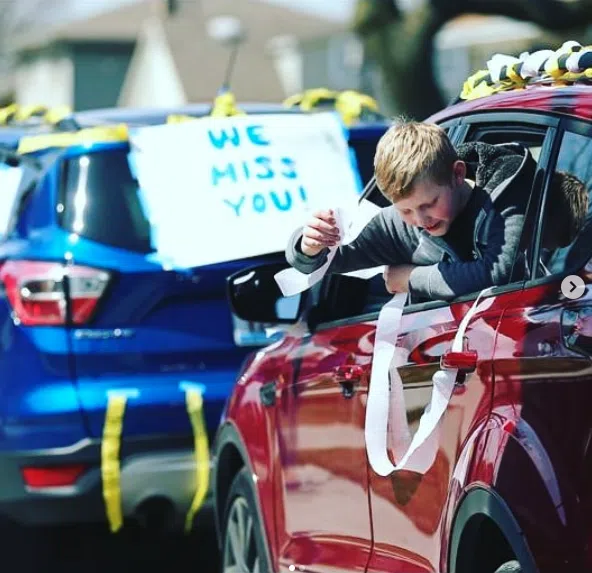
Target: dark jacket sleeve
[
  {"x": 447, "y": 280},
  {"x": 378, "y": 244}
]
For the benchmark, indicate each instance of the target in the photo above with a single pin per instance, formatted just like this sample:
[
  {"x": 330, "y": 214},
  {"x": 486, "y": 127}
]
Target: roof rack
[
  {"x": 569, "y": 64},
  {"x": 352, "y": 105}
]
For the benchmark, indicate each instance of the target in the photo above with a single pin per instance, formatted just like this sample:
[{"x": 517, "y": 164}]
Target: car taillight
[
  {"x": 37, "y": 291},
  {"x": 59, "y": 476}
]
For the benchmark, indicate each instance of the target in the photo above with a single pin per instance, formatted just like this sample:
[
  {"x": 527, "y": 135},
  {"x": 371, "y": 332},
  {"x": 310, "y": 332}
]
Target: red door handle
[
  {"x": 465, "y": 361},
  {"x": 349, "y": 372},
  {"x": 348, "y": 375}
]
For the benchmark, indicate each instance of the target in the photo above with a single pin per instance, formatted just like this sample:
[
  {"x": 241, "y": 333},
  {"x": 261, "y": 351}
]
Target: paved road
[{"x": 95, "y": 550}]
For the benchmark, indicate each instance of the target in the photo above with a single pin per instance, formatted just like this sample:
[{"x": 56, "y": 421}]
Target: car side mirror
[{"x": 255, "y": 296}]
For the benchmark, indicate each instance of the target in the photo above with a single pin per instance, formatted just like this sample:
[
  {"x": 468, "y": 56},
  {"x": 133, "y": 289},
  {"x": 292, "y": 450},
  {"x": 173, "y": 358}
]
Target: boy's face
[{"x": 433, "y": 206}]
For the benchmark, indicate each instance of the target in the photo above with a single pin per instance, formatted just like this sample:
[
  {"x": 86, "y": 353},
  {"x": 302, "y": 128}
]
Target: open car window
[
  {"x": 374, "y": 292},
  {"x": 565, "y": 238}
]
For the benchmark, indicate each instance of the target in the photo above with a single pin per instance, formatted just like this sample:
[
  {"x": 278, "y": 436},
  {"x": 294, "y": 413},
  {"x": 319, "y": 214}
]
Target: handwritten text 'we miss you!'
[{"x": 276, "y": 177}]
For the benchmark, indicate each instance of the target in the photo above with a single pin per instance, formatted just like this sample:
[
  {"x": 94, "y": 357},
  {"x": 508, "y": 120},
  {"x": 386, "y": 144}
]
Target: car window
[
  {"x": 530, "y": 137},
  {"x": 575, "y": 158},
  {"x": 99, "y": 200}
]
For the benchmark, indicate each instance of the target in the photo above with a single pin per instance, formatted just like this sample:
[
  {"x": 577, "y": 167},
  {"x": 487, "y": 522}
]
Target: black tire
[
  {"x": 509, "y": 567},
  {"x": 243, "y": 540}
]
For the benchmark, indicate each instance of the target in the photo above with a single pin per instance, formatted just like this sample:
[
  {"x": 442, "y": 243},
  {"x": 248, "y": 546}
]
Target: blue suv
[{"x": 85, "y": 315}]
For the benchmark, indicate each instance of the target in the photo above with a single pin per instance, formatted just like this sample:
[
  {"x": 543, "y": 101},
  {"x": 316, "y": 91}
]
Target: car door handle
[
  {"x": 348, "y": 376},
  {"x": 465, "y": 361}
]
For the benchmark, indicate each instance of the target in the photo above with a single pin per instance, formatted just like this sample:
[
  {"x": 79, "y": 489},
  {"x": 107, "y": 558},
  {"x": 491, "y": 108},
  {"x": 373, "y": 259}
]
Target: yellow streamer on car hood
[
  {"x": 110, "y": 465},
  {"x": 194, "y": 402}
]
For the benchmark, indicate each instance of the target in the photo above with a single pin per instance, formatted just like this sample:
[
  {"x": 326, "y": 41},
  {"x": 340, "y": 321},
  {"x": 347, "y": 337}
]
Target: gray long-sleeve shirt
[{"x": 491, "y": 221}]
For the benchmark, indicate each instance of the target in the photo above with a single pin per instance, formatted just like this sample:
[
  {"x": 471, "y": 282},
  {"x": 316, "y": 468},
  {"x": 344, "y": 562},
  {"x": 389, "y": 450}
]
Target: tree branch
[{"x": 403, "y": 43}]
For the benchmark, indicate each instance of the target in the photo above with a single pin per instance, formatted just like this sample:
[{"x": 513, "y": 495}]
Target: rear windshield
[{"x": 99, "y": 201}]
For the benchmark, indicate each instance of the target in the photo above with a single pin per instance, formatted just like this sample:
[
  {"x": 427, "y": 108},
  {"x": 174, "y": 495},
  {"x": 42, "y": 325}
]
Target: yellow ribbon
[
  {"x": 7, "y": 113},
  {"x": 88, "y": 136},
  {"x": 194, "y": 402},
  {"x": 554, "y": 72},
  {"x": 225, "y": 106},
  {"x": 56, "y": 114},
  {"x": 309, "y": 99},
  {"x": 110, "y": 467},
  {"x": 350, "y": 104}
]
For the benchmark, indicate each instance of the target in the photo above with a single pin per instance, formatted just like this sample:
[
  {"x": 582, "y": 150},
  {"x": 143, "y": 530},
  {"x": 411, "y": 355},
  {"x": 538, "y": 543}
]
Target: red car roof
[{"x": 573, "y": 100}]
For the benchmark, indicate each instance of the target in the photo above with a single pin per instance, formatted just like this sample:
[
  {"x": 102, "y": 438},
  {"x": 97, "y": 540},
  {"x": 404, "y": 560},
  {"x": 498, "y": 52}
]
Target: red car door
[
  {"x": 408, "y": 509},
  {"x": 322, "y": 514}
]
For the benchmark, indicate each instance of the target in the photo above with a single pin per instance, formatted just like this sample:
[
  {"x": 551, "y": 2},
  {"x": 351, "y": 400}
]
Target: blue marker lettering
[
  {"x": 219, "y": 140},
  {"x": 302, "y": 192},
  {"x": 253, "y": 132},
  {"x": 246, "y": 170},
  {"x": 218, "y": 174},
  {"x": 265, "y": 163},
  {"x": 259, "y": 203},
  {"x": 235, "y": 206},
  {"x": 290, "y": 171},
  {"x": 281, "y": 206}
]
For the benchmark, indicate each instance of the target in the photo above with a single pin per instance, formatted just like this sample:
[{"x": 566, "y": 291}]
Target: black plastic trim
[{"x": 487, "y": 503}]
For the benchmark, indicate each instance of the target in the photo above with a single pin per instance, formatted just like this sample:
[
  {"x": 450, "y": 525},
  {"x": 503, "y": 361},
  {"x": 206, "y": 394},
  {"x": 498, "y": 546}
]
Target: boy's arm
[
  {"x": 447, "y": 280},
  {"x": 376, "y": 245}
]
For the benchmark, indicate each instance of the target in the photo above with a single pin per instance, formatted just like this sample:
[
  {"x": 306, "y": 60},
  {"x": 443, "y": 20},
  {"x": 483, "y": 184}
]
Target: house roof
[
  {"x": 261, "y": 19},
  {"x": 200, "y": 60}
]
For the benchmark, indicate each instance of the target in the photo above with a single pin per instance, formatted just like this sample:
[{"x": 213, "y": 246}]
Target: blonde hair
[{"x": 408, "y": 152}]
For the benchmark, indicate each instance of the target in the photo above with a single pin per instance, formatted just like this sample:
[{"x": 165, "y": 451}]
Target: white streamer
[
  {"x": 292, "y": 281},
  {"x": 417, "y": 454}
]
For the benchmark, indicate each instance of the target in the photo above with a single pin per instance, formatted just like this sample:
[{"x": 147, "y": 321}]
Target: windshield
[{"x": 99, "y": 200}]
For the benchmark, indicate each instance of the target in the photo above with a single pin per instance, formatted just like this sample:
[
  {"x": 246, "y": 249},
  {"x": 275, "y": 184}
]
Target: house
[{"x": 142, "y": 54}]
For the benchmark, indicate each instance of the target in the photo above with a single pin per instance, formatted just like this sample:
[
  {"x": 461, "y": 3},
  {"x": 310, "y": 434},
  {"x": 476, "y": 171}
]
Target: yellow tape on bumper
[
  {"x": 110, "y": 469},
  {"x": 194, "y": 403}
]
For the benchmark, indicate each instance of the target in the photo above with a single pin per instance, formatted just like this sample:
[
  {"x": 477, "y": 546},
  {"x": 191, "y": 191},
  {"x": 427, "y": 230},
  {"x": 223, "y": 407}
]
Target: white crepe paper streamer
[
  {"x": 497, "y": 62},
  {"x": 532, "y": 62},
  {"x": 350, "y": 224},
  {"x": 384, "y": 403}
]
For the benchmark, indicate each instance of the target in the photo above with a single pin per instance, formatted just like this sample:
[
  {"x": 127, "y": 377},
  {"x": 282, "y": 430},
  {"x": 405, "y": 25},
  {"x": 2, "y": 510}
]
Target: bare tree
[{"x": 402, "y": 42}]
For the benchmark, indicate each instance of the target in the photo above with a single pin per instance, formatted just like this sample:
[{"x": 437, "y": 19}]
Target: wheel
[
  {"x": 509, "y": 567},
  {"x": 243, "y": 547}
]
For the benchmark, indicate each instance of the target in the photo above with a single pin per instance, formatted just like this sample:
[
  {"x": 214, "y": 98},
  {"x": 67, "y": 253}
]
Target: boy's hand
[
  {"x": 319, "y": 233},
  {"x": 396, "y": 279}
]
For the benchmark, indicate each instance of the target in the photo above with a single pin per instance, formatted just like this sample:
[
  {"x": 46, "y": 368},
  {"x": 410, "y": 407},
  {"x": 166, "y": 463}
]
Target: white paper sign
[
  {"x": 10, "y": 178},
  {"x": 219, "y": 189}
]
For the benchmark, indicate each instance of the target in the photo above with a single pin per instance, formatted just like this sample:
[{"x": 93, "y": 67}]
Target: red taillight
[
  {"x": 58, "y": 476},
  {"x": 37, "y": 291}
]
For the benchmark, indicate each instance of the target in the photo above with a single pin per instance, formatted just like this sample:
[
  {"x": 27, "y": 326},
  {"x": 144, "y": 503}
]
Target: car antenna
[{"x": 229, "y": 32}]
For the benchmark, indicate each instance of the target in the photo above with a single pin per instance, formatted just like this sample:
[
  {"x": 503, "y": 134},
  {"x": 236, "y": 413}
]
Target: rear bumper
[{"x": 158, "y": 476}]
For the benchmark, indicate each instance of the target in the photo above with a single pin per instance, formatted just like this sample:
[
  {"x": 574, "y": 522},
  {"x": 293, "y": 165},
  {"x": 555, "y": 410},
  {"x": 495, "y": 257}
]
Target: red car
[{"x": 511, "y": 485}]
